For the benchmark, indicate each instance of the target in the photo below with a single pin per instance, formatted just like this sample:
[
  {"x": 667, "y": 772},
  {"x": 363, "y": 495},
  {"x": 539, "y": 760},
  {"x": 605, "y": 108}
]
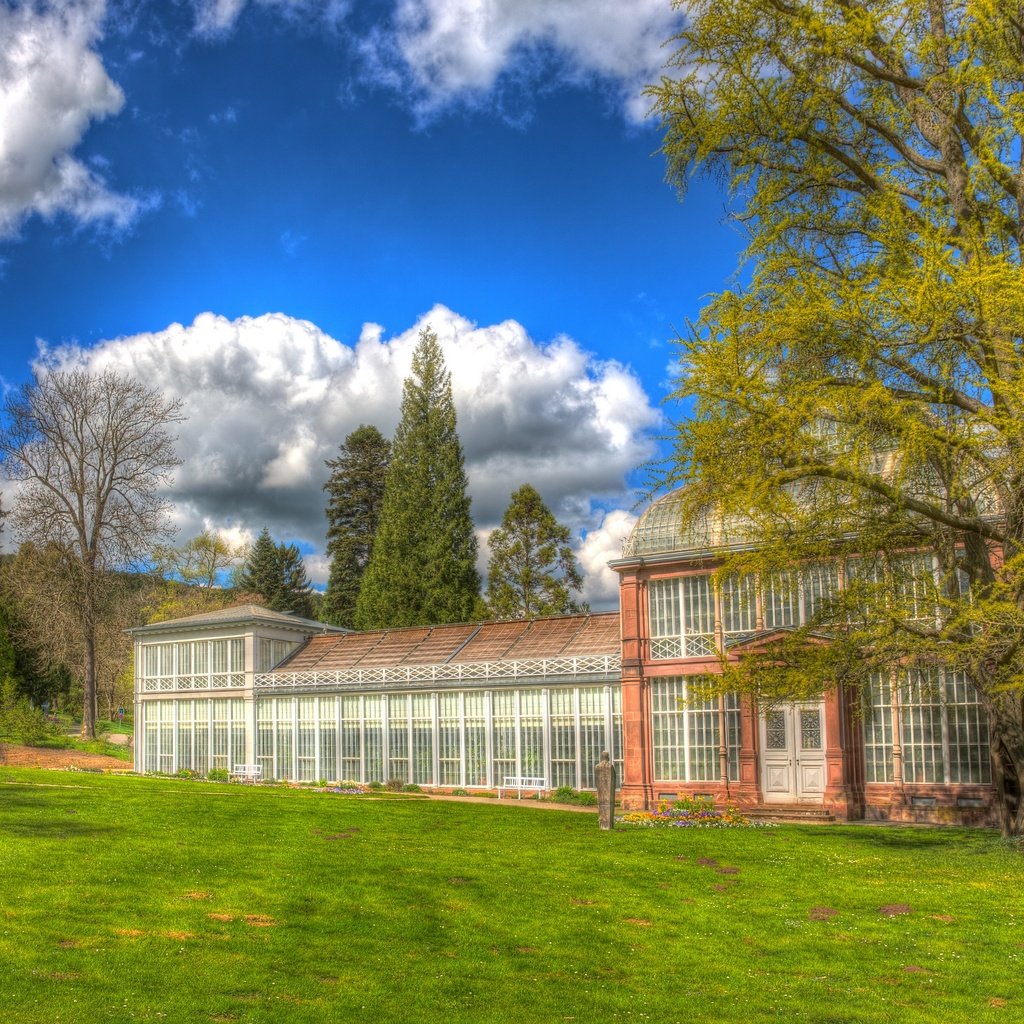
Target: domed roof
[{"x": 659, "y": 531}]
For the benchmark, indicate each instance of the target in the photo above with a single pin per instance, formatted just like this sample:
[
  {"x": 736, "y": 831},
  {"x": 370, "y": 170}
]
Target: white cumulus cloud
[
  {"x": 438, "y": 53},
  {"x": 446, "y": 51},
  {"x": 599, "y": 547},
  {"x": 269, "y": 398},
  {"x": 52, "y": 87}
]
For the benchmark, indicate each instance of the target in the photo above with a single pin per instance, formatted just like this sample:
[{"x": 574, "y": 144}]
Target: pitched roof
[
  {"x": 557, "y": 636},
  {"x": 237, "y": 615}
]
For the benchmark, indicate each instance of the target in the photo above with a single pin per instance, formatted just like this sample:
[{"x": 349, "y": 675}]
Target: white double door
[{"x": 793, "y": 753}]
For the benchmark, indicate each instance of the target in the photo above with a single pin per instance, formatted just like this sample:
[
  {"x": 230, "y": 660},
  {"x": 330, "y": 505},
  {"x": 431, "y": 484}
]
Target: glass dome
[{"x": 659, "y": 531}]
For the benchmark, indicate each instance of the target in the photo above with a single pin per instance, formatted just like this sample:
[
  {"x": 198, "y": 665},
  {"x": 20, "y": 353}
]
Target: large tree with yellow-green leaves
[{"x": 862, "y": 391}]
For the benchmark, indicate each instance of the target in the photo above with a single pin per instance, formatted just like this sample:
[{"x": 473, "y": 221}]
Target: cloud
[
  {"x": 442, "y": 52},
  {"x": 52, "y": 87},
  {"x": 599, "y": 547},
  {"x": 269, "y": 398},
  {"x": 218, "y": 18},
  {"x": 229, "y": 115},
  {"x": 291, "y": 242}
]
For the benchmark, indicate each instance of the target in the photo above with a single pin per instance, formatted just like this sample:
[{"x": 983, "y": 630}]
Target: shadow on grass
[
  {"x": 911, "y": 838},
  {"x": 29, "y": 815}
]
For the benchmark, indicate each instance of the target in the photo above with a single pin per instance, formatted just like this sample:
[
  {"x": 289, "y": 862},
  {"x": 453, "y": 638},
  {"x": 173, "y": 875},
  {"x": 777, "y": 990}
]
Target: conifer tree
[
  {"x": 277, "y": 573},
  {"x": 423, "y": 566},
  {"x": 532, "y": 569},
  {"x": 296, "y": 590},
  {"x": 261, "y": 571},
  {"x": 355, "y": 493}
]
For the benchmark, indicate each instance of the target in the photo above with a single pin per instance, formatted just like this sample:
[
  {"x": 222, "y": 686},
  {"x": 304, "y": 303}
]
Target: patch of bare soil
[
  {"x": 895, "y": 909},
  {"x": 822, "y": 913},
  {"x": 15, "y": 756}
]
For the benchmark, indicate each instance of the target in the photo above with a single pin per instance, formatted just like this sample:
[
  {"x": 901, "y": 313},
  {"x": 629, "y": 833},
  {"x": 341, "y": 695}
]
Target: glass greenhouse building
[
  {"x": 464, "y": 706},
  {"x": 471, "y": 705}
]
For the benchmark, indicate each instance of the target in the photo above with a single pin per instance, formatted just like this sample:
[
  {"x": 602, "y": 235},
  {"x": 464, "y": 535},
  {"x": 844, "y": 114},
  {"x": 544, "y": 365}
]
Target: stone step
[{"x": 806, "y": 814}]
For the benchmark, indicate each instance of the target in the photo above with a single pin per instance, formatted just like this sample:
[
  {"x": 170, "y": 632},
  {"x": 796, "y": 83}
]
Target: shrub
[
  {"x": 376, "y": 785},
  {"x": 459, "y": 791},
  {"x": 411, "y": 787},
  {"x": 22, "y": 723},
  {"x": 395, "y": 785},
  {"x": 187, "y": 773},
  {"x": 568, "y": 795},
  {"x": 693, "y": 804},
  {"x": 218, "y": 775}
]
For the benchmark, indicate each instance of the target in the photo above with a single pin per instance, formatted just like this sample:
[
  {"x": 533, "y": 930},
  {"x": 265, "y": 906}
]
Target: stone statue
[{"x": 604, "y": 775}]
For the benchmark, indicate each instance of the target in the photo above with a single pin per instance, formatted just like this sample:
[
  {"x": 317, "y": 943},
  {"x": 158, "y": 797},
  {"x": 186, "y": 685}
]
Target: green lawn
[{"x": 129, "y": 899}]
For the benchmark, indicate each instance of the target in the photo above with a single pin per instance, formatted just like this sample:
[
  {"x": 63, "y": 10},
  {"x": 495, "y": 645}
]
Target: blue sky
[{"x": 256, "y": 205}]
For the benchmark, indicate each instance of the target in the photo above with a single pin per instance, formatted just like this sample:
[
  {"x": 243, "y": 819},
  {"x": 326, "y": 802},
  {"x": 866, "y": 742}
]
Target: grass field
[{"x": 132, "y": 899}]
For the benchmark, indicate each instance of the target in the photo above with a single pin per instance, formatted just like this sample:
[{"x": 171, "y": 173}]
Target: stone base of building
[{"x": 932, "y": 805}]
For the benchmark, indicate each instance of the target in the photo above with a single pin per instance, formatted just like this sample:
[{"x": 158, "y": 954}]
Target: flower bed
[{"x": 687, "y": 812}]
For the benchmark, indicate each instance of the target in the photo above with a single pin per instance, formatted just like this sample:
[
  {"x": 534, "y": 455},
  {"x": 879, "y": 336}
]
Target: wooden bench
[
  {"x": 247, "y": 772},
  {"x": 521, "y": 782}
]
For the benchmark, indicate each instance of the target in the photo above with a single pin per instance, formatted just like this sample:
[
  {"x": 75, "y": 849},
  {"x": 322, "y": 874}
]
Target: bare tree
[{"x": 91, "y": 453}]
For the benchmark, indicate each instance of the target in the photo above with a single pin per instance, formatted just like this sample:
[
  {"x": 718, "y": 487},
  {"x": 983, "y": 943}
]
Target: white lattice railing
[
  {"x": 419, "y": 675},
  {"x": 219, "y": 681},
  {"x": 693, "y": 645}
]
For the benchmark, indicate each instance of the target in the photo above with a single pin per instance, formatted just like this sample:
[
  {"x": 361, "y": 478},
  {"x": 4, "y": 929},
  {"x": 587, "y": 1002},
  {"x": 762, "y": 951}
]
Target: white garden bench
[
  {"x": 521, "y": 782},
  {"x": 247, "y": 772}
]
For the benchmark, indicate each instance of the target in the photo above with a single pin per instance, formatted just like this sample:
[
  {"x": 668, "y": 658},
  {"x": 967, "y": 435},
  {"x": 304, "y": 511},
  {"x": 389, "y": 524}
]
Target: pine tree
[
  {"x": 532, "y": 569},
  {"x": 277, "y": 573},
  {"x": 423, "y": 566},
  {"x": 261, "y": 571},
  {"x": 296, "y": 591},
  {"x": 356, "y": 491}
]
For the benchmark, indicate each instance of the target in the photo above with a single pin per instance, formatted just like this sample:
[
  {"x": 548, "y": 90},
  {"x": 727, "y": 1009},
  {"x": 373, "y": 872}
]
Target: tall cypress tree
[
  {"x": 423, "y": 566},
  {"x": 355, "y": 493},
  {"x": 532, "y": 569}
]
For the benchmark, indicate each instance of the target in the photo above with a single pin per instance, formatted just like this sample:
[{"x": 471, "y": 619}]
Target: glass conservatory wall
[
  {"x": 467, "y": 738},
  {"x": 193, "y": 665},
  {"x": 938, "y": 723},
  {"x": 687, "y": 733},
  {"x": 192, "y": 734}
]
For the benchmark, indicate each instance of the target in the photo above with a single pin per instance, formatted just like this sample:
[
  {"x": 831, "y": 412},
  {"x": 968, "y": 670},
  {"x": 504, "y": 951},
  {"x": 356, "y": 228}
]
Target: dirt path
[{"x": 42, "y": 757}]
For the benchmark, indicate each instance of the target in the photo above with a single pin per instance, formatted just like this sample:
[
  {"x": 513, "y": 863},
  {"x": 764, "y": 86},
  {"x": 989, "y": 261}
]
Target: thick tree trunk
[
  {"x": 1008, "y": 764},
  {"x": 89, "y": 699}
]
